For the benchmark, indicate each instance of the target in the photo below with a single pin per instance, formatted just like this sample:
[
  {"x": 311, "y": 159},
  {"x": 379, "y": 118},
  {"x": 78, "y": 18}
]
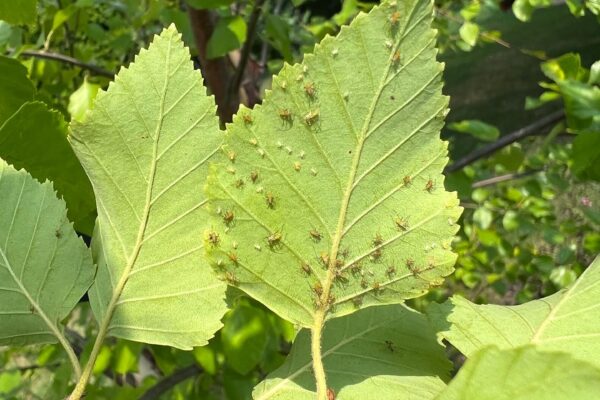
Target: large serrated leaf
[
  {"x": 44, "y": 267},
  {"x": 334, "y": 195},
  {"x": 145, "y": 146},
  {"x": 385, "y": 352},
  {"x": 523, "y": 374},
  {"x": 567, "y": 321}
]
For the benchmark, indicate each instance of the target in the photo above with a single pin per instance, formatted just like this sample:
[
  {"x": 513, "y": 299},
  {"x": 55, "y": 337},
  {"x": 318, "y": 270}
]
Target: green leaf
[
  {"x": 82, "y": 100},
  {"x": 145, "y": 146},
  {"x": 18, "y": 11},
  {"x": 522, "y": 10},
  {"x": 35, "y": 138},
  {"x": 567, "y": 321},
  {"x": 469, "y": 32},
  {"x": 586, "y": 155},
  {"x": 582, "y": 104},
  {"x": 523, "y": 374},
  {"x": 15, "y": 87},
  {"x": 389, "y": 350},
  {"x": 335, "y": 181},
  {"x": 244, "y": 336},
  {"x": 476, "y": 128},
  {"x": 565, "y": 67},
  {"x": 44, "y": 267},
  {"x": 229, "y": 34},
  {"x": 594, "y": 78}
]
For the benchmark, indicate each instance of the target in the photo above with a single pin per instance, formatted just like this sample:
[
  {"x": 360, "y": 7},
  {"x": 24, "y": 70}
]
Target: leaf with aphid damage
[{"x": 337, "y": 187}]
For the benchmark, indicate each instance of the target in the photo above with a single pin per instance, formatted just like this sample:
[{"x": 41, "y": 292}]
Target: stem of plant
[{"x": 318, "y": 369}]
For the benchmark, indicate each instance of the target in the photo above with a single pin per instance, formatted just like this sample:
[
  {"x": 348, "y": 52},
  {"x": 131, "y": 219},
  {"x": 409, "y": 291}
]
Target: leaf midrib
[{"x": 132, "y": 259}]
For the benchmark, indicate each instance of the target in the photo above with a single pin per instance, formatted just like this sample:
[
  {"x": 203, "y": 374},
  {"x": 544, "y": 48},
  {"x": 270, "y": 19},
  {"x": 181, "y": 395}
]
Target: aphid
[
  {"x": 234, "y": 244},
  {"x": 364, "y": 283},
  {"x": 306, "y": 268},
  {"x": 279, "y": 144},
  {"x": 401, "y": 223},
  {"x": 390, "y": 345},
  {"x": 309, "y": 89},
  {"x": 58, "y": 234},
  {"x": 340, "y": 277},
  {"x": 318, "y": 289},
  {"x": 389, "y": 44},
  {"x": 254, "y": 176},
  {"x": 305, "y": 68},
  {"x": 285, "y": 114},
  {"x": 32, "y": 309},
  {"x": 261, "y": 153},
  {"x": 233, "y": 257},
  {"x": 338, "y": 263},
  {"x": 231, "y": 170},
  {"x": 220, "y": 263},
  {"x": 302, "y": 154},
  {"x": 346, "y": 96},
  {"x": 253, "y": 142},
  {"x": 288, "y": 149},
  {"x": 324, "y": 258},
  {"x": 213, "y": 238},
  {"x": 315, "y": 234},
  {"x": 407, "y": 180},
  {"x": 257, "y": 247},
  {"x": 331, "y": 299},
  {"x": 273, "y": 239},
  {"x": 283, "y": 85},
  {"x": 239, "y": 183},
  {"x": 391, "y": 271},
  {"x": 355, "y": 268},
  {"x": 297, "y": 166},
  {"x": 247, "y": 119},
  {"x": 299, "y": 78},
  {"x": 231, "y": 155},
  {"x": 376, "y": 254},
  {"x": 311, "y": 118},
  {"x": 228, "y": 217},
  {"x": 396, "y": 57},
  {"x": 430, "y": 186},
  {"x": 378, "y": 240},
  {"x": 231, "y": 278},
  {"x": 357, "y": 301},
  {"x": 334, "y": 52},
  {"x": 376, "y": 286},
  {"x": 345, "y": 253},
  {"x": 395, "y": 18},
  {"x": 410, "y": 264},
  {"x": 270, "y": 199},
  {"x": 313, "y": 171}
]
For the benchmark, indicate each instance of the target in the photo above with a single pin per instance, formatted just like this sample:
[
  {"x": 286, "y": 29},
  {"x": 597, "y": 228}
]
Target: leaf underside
[
  {"x": 44, "y": 267},
  {"x": 384, "y": 352},
  {"x": 523, "y": 374},
  {"x": 145, "y": 146},
  {"x": 335, "y": 180},
  {"x": 567, "y": 321}
]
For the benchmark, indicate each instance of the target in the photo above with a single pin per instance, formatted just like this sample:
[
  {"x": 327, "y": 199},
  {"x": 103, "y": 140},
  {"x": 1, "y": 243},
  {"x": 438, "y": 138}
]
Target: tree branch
[
  {"x": 94, "y": 69},
  {"x": 234, "y": 88},
  {"x": 503, "y": 178},
  {"x": 170, "y": 381},
  {"x": 529, "y": 130},
  {"x": 216, "y": 71}
]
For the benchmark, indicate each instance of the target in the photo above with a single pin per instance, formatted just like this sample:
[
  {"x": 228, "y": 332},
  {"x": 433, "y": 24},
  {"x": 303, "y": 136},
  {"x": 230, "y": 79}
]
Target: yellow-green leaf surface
[
  {"x": 523, "y": 374},
  {"x": 145, "y": 146},
  {"x": 334, "y": 184},
  {"x": 44, "y": 267},
  {"x": 567, "y": 321},
  {"x": 382, "y": 353}
]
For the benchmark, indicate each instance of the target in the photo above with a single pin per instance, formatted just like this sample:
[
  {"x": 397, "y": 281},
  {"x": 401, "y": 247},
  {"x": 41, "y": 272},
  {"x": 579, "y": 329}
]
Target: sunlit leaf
[
  {"x": 332, "y": 195},
  {"x": 145, "y": 146}
]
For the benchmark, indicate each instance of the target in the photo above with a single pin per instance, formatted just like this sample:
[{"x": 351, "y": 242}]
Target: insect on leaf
[
  {"x": 145, "y": 146},
  {"x": 44, "y": 267},
  {"x": 378, "y": 340},
  {"x": 346, "y": 145}
]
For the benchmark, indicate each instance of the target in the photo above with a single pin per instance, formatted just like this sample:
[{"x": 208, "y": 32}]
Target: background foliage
[{"x": 524, "y": 135}]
